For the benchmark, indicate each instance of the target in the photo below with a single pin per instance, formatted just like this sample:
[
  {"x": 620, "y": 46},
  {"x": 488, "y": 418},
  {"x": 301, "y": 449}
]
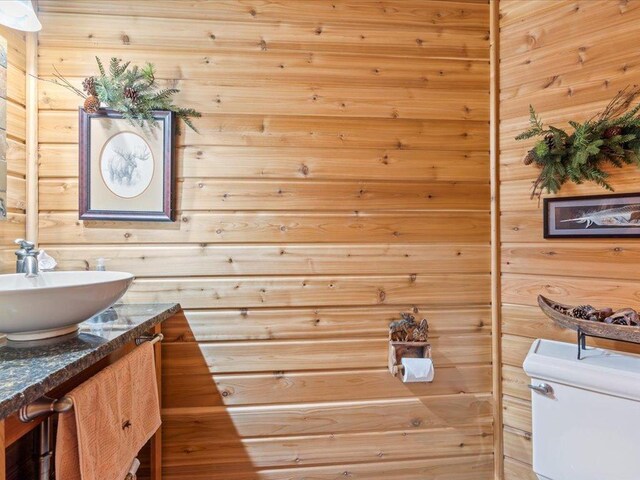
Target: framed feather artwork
[{"x": 595, "y": 216}]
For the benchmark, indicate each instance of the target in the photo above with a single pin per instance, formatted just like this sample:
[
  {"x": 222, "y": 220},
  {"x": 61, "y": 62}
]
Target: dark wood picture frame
[
  {"x": 167, "y": 214},
  {"x": 588, "y": 232}
]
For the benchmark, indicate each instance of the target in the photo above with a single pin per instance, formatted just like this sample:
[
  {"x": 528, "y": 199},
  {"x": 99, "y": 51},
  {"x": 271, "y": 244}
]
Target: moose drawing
[{"x": 123, "y": 165}]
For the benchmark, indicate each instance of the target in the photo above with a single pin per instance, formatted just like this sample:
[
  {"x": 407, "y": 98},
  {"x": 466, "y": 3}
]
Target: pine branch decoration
[
  {"x": 609, "y": 137},
  {"x": 131, "y": 91}
]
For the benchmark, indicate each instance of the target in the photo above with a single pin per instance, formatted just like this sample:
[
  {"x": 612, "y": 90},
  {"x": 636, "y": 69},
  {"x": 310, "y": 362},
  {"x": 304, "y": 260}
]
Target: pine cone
[
  {"x": 612, "y": 132},
  {"x": 131, "y": 94},
  {"x": 583, "y": 312},
  {"x": 626, "y": 316},
  {"x": 561, "y": 309},
  {"x": 530, "y": 158},
  {"x": 89, "y": 86},
  {"x": 91, "y": 104},
  {"x": 550, "y": 140}
]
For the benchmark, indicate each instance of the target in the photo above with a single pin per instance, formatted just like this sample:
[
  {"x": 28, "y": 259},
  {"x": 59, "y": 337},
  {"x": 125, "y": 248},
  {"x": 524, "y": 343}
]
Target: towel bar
[
  {"x": 158, "y": 337},
  {"x": 46, "y": 405},
  {"x": 133, "y": 470}
]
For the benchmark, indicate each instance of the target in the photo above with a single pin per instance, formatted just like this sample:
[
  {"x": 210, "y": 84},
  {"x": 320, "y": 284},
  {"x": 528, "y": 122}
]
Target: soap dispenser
[{"x": 100, "y": 265}]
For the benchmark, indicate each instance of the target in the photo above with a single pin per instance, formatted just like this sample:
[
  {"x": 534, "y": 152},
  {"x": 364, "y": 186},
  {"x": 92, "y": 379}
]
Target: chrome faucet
[{"x": 27, "y": 258}]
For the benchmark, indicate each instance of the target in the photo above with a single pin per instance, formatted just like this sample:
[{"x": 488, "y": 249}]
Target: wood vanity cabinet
[
  {"x": 3, "y": 463},
  {"x": 17, "y": 454}
]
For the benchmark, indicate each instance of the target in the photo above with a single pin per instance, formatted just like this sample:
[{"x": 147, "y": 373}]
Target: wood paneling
[
  {"x": 283, "y": 324},
  {"x": 290, "y": 163},
  {"x": 567, "y": 59},
  {"x": 200, "y": 424},
  {"x": 16, "y": 156},
  {"x": 514, "y": 382},
  {"x": 456, "y": 14},
  {"x": 221, "y": 357},
  {"x": 317, "y": 290},
  {"x": 274, "y": 227},
  {"x": 517, "y": 413},
  {"x": 516, "y": 470},
  {"x": 204, "y": 389},
  {"x": 333, "y": 449},
  {"x": 304, "y": 131},
  {"x": 261, "y": 68},
  {"x": 208, "y": 194},
  {"x": 368, "y": 102},
  {"x": 424, "y": 40},
  {"x": 475, "y": 467},
  {"x": 289, "y": 259},
  {"x": 341, "y": 176},
  {"x": 517, "y": 445}
]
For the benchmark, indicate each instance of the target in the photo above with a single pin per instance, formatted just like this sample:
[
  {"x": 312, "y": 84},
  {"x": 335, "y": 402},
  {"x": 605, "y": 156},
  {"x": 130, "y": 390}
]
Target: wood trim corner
[
  {"x": 494, "y": 121},
  {"x": 32, "y": 207}
]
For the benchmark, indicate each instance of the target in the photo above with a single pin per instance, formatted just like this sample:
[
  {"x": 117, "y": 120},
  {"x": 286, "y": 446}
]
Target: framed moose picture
[{"x": 126, "y": 170}]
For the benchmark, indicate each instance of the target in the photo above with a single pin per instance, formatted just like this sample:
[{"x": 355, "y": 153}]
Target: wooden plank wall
[
  {"x": 14, "y": 227},
  {"x": 340, "y": 177},
  {"x": 567, "y": 58}
]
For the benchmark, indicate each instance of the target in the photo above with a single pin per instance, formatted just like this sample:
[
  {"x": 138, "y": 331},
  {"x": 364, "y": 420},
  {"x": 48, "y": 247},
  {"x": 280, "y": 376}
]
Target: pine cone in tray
[
  {"x": 600, "y": 315},
  {"x": 626, "y": 316},
  {"x": 561, "y": 309},
  {"x": 582, "y": 312}
]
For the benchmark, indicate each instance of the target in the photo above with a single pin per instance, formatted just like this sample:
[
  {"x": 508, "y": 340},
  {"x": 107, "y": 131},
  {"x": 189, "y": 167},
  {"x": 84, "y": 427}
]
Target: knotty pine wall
[
  {"x": 341, "y": 176},
  {"x": 14, "y": 227},
  {"x": 567, "y": 58}
]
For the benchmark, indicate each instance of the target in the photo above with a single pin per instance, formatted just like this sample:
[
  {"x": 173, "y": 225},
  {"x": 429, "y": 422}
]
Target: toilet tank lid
[{"x": 600, "y": 370}]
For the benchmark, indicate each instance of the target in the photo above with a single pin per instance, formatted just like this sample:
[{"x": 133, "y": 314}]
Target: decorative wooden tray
[{"x": 591, "y": 328}]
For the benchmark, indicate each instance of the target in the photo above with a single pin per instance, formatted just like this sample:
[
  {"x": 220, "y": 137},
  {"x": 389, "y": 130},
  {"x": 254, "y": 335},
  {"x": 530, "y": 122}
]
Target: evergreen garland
[
  {"x": 129, "y": 90},
  {"x": 610, "y": 137}
]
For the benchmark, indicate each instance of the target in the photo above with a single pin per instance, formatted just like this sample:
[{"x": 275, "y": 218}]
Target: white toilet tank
[{"x": 588, "y": 426}]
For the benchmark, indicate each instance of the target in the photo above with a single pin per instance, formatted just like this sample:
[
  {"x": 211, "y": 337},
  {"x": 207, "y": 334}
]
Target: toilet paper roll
[{"x": 417, "y": 370}]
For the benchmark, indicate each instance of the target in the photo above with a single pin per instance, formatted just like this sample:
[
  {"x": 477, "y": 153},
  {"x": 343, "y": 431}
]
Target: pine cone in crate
[{"x": 91, "y": 104}]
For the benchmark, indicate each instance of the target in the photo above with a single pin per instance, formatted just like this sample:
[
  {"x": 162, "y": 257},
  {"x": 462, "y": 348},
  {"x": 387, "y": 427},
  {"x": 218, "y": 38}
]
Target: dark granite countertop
[{"x": 28, "y": 370}]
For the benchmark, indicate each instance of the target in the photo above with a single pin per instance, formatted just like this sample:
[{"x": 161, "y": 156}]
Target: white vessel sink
[{"x": 54, "y": 303}]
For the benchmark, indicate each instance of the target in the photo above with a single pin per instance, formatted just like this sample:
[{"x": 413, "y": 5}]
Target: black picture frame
[
  {"x": 166, "y": 120},
  {"x": 592, "y": 216}
]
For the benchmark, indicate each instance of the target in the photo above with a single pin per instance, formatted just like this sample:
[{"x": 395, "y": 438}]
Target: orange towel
[{"x": 114, "y": 414}]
